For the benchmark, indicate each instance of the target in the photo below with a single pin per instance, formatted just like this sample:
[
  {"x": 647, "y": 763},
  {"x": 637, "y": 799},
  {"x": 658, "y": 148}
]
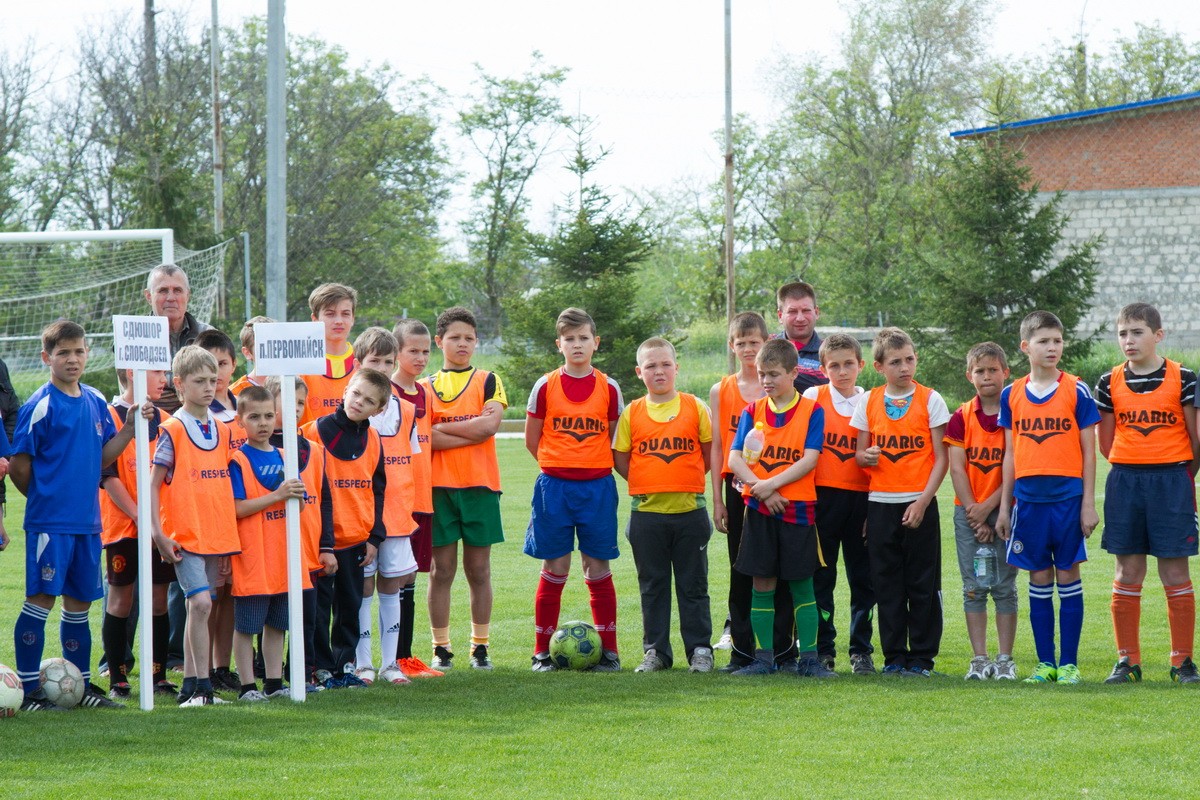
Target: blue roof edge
[{"x": 1091, "y": 112}]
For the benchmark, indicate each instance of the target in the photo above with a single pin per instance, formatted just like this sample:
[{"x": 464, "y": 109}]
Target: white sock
[
  {"x": 389, "y": 626},
  {"x": 362, "y": 656}
]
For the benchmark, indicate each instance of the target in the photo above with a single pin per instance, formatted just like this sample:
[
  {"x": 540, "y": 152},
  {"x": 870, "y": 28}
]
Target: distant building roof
[{"x": 1074, "y": 115}]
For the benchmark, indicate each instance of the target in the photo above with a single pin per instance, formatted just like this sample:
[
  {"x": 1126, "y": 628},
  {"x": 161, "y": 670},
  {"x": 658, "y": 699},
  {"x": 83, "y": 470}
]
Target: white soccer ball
[
  {"x": 12, "y": 693},
  {"x": 62, "y": 682}
]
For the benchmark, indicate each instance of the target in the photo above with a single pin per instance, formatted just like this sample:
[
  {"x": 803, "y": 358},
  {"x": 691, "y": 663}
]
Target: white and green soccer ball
[{"x": 575, "y": 645}]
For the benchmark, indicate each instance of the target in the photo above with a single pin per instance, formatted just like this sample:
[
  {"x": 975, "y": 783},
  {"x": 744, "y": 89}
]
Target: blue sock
[
  {"x": 1070, "y": 619},
  {"x": 29, "y": 638},
  {"x": 76, "y": 637},
  {"x": 1041, "y": 618}
]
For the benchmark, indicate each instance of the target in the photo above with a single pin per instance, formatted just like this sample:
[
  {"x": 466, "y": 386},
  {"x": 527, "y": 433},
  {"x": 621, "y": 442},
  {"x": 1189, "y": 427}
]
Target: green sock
[
  {"x": 805, "y": 603},
  {"x": 762, "y": 618}
]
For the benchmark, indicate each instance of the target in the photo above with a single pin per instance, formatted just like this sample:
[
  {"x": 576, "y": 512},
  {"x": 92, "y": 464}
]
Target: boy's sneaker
[
  {"x": 120, "y": 691},
  {"x": 1185, "y": 672},
  {"x": 442, "y": 659},
  {"x": 351, "y": 681},
  {"x": 253, "y": 696},
  {"x": 365, "y": 674},
  {"x": 479, "y": 658},
  {"x": 413, "y": 667},
  {"x": 1124, "y": 672},
  {"x": 736, "y": 662},
  {"x": 225, "y": 680},
  {"x": 756, "y": 667},
  {"x": 1069, "y": 674},
  {"x": 828, "y": 662},
  {"x": 542, "y": 663},
  {"x": 282, "y": 691},
  {"x": 394, "y": 675},
  {"x": 725, "y": 642},
  {"x": 788, "y": 666},
  {"x": 165, "y": 687},
  {"x": 1004, "y": 668},
  {"x": 980, "y": 667},
  {"x": 702, "y": 660},
  {"x": 919, "y": 672},
  {"x": 650, "y": 663},
  {"x": 895, "y": 670},
  {"x": 94, "y": 698},
  {"x": 809, "y": 667},
  {"x": 862, "y": 664},
  {"x": 609, "y": 662},
  {"x": 38, "y": 701},
  {"x": 1044, "y": 672},
  {"x": 313, "y": 688},
  {"x": 203, "y": 699}
]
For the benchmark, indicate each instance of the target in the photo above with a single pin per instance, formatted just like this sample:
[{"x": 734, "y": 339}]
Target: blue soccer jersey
[{"x": 64, "y": 437}]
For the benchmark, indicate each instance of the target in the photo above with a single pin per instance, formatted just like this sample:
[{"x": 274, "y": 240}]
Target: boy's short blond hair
[
  {"x": 986, "y": 350},
  {"x": 778, "y": 353},
  {"x": 653, "y": 342},
  {"x": 274, "y": 385},
  {"x": 375, "y": 341},
  {"x": 839, "y": 341},
  {"x": 328, "y": 294},
  {"x": 374, "y": 379},
  {"x": 409, "y": 327},
  {"x": 192, "y": 359},
  {"x": 747, "y": 322},
  {"x": 574, "y": 318},
  {"x": 1141, "y": 312},
  {"x": 254, "y": 394},
  {"x": 1037, "y": 320},
  {"x": 889, "y": 339},
  {"x": 246, "y": 337}
]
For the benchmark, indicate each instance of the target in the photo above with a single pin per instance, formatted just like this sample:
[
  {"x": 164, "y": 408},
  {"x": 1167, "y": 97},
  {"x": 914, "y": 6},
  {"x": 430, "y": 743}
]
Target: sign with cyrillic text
[
  {"x": 289, "y": 348},
  {"x": 142, "y": 342}
]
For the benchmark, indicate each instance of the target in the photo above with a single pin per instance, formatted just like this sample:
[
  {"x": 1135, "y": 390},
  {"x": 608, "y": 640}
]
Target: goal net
[{"x": 87, "y": 277}]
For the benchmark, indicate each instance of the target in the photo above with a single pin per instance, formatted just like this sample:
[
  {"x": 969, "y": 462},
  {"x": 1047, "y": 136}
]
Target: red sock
[
  {"x": 604, "y": 609},
  {"x": 1181, "y": 616},
  {"x": 546, "y": 605},
  {"x": 1126, "y": 617}
]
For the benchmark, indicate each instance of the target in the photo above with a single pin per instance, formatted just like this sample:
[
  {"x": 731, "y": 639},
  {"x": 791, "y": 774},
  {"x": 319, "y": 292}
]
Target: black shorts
[
  {"x": 121, "y": 558},
  {"x": 772, "y": 548}
]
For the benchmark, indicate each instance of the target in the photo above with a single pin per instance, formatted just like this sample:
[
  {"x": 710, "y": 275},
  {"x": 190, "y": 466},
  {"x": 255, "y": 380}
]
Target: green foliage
[{"x": 993, "y": 260}]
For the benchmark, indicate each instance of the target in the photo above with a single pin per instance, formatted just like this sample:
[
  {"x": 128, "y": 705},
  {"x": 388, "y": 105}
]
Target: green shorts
[{"x": 472, "y": 515}]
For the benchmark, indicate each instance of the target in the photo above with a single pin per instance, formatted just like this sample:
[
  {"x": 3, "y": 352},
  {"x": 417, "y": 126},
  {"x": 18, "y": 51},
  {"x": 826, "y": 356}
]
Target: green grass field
[{"x": 659, "y": 735}]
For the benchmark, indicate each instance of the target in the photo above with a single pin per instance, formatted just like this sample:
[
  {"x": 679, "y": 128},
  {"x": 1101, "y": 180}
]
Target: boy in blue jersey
[{"x": 65, "y": 436}]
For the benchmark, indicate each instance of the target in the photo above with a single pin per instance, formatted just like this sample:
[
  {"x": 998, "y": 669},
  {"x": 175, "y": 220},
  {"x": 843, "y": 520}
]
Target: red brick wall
[{"x": 1146, "y": 149}]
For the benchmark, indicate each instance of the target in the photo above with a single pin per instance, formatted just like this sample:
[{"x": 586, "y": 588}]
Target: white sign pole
[
  {"x": 143, "y": 343},
  {"x": 289, "y": 349}
]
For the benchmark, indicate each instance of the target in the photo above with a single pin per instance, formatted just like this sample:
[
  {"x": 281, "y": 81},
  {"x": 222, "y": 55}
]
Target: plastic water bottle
[
  {"x": 752, "y": 446},
  {"x": 985, "y": 566}
]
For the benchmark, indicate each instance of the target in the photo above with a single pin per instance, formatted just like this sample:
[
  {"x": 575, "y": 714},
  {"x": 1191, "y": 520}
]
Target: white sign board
[
  {"x": 142, "y": 342},
  {"x": 289, "y": 348}
]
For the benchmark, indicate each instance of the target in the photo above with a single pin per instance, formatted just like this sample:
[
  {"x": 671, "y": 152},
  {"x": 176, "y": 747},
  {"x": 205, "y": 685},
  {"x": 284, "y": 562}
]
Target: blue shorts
[
  {"x": 1150, "y": 511},
  {"x": 63, "y": 564},
  {"x": 564, "y": 509},
  {"x": 252, "y": 612},
  {"x": 1046, "y": 535}
]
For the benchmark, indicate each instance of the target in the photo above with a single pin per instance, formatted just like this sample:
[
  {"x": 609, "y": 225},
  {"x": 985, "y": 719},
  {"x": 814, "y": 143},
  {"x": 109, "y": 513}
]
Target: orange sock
[
  {"x": 1181, "y": 616},
  {"x": 1127, "y": 618}
]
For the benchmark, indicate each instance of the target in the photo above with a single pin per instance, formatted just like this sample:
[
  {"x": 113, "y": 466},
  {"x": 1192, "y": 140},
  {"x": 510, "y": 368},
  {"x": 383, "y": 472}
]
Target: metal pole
[
  {"x": 276, "y": 261},
  {"x": 214, "y": 45},
  {"x": 728, "y": 249},
  {"x": 246, "y": 269}
]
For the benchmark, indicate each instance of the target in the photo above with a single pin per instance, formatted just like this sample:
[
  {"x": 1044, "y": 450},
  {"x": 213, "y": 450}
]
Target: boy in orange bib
[
  {"x": 334, "y": 305},
  {"x": 246, "y": 339},
  {"x": 661, "y": 450}
]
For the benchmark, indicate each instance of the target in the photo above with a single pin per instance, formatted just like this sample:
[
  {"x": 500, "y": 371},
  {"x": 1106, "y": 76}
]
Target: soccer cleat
[
  {"x": 1069, "y": 674},
  {"x": 788, "y": 666},
  {"x": 918, "y": 672},
  {"x": 862, "y": 664},
  {"x": 37, "y": 701},
  {"x": 735, "y": 663},
  {"x": 393, "y": 675},
  {"x": 1044, "y": 672},
  {"x": 702, "y": 660},
  {"x": 895, "y": 670},
  {"x": 253, "y": 696},
  {"x": 414, "y": 667},
  {"x": 365, "y": 674},
  {"x": 979, "y": 669},
  {"x": 225, "y": 680},
  {"x": 1185, "y": 672},
  {"x": 351, "y": 681},
  {"x": 809, "y": 667},
  {"x": 828, "y": 662},
  {"x": 1004, "y": 668},
  {"x": 120, "y": 691},
  {"x": 756, "y": 667},
  {"x": 650, "y": 662},
  {"x": 442, "y": 659},
  {"x": 1124, "y": 672},
  {"x": 202, "y": 699},
  {"x": 165, "y": 687},
  {"x": 94, "y": 698},
  {"x": 609, "y": 662},
  {"x": 313, "y": 688},
  {"x": 542, "y": 663},
  {"x": 479, "y": 658}
]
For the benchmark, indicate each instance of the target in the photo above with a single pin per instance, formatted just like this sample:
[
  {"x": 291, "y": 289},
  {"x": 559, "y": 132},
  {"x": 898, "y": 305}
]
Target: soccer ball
[
  {"x": 575, "y": 645},
  {"x": 62, "y": 682},
  {"x": 12, "y": 693}
]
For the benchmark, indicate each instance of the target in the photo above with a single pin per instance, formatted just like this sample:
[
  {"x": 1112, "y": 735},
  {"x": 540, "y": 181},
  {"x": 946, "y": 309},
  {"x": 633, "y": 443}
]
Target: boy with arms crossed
[
  {"x": 1048, "y": 504},
  {"x": 569, "y": 430},
  {"x": 1148, "y": 433}
]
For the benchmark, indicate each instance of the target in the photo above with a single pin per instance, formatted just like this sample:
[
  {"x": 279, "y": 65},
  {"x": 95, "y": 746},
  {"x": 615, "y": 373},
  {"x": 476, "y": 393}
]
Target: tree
[
  {"x": 589, "y": 261},
  {"x": 994, "y": 260},
  {"x": 510, "y": 123}
]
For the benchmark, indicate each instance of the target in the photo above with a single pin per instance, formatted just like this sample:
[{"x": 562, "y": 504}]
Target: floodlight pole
[
  {"x": 214, "y": 50},
  {"x": 276, "y": 261},
  {"x": 730, "y": 300}
]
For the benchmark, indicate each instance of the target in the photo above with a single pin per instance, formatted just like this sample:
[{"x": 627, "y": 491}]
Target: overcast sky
[{"x": 650, "y": 72}]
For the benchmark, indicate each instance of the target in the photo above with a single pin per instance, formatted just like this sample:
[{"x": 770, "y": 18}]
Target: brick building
[{"x": 1132, "y": 174}]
